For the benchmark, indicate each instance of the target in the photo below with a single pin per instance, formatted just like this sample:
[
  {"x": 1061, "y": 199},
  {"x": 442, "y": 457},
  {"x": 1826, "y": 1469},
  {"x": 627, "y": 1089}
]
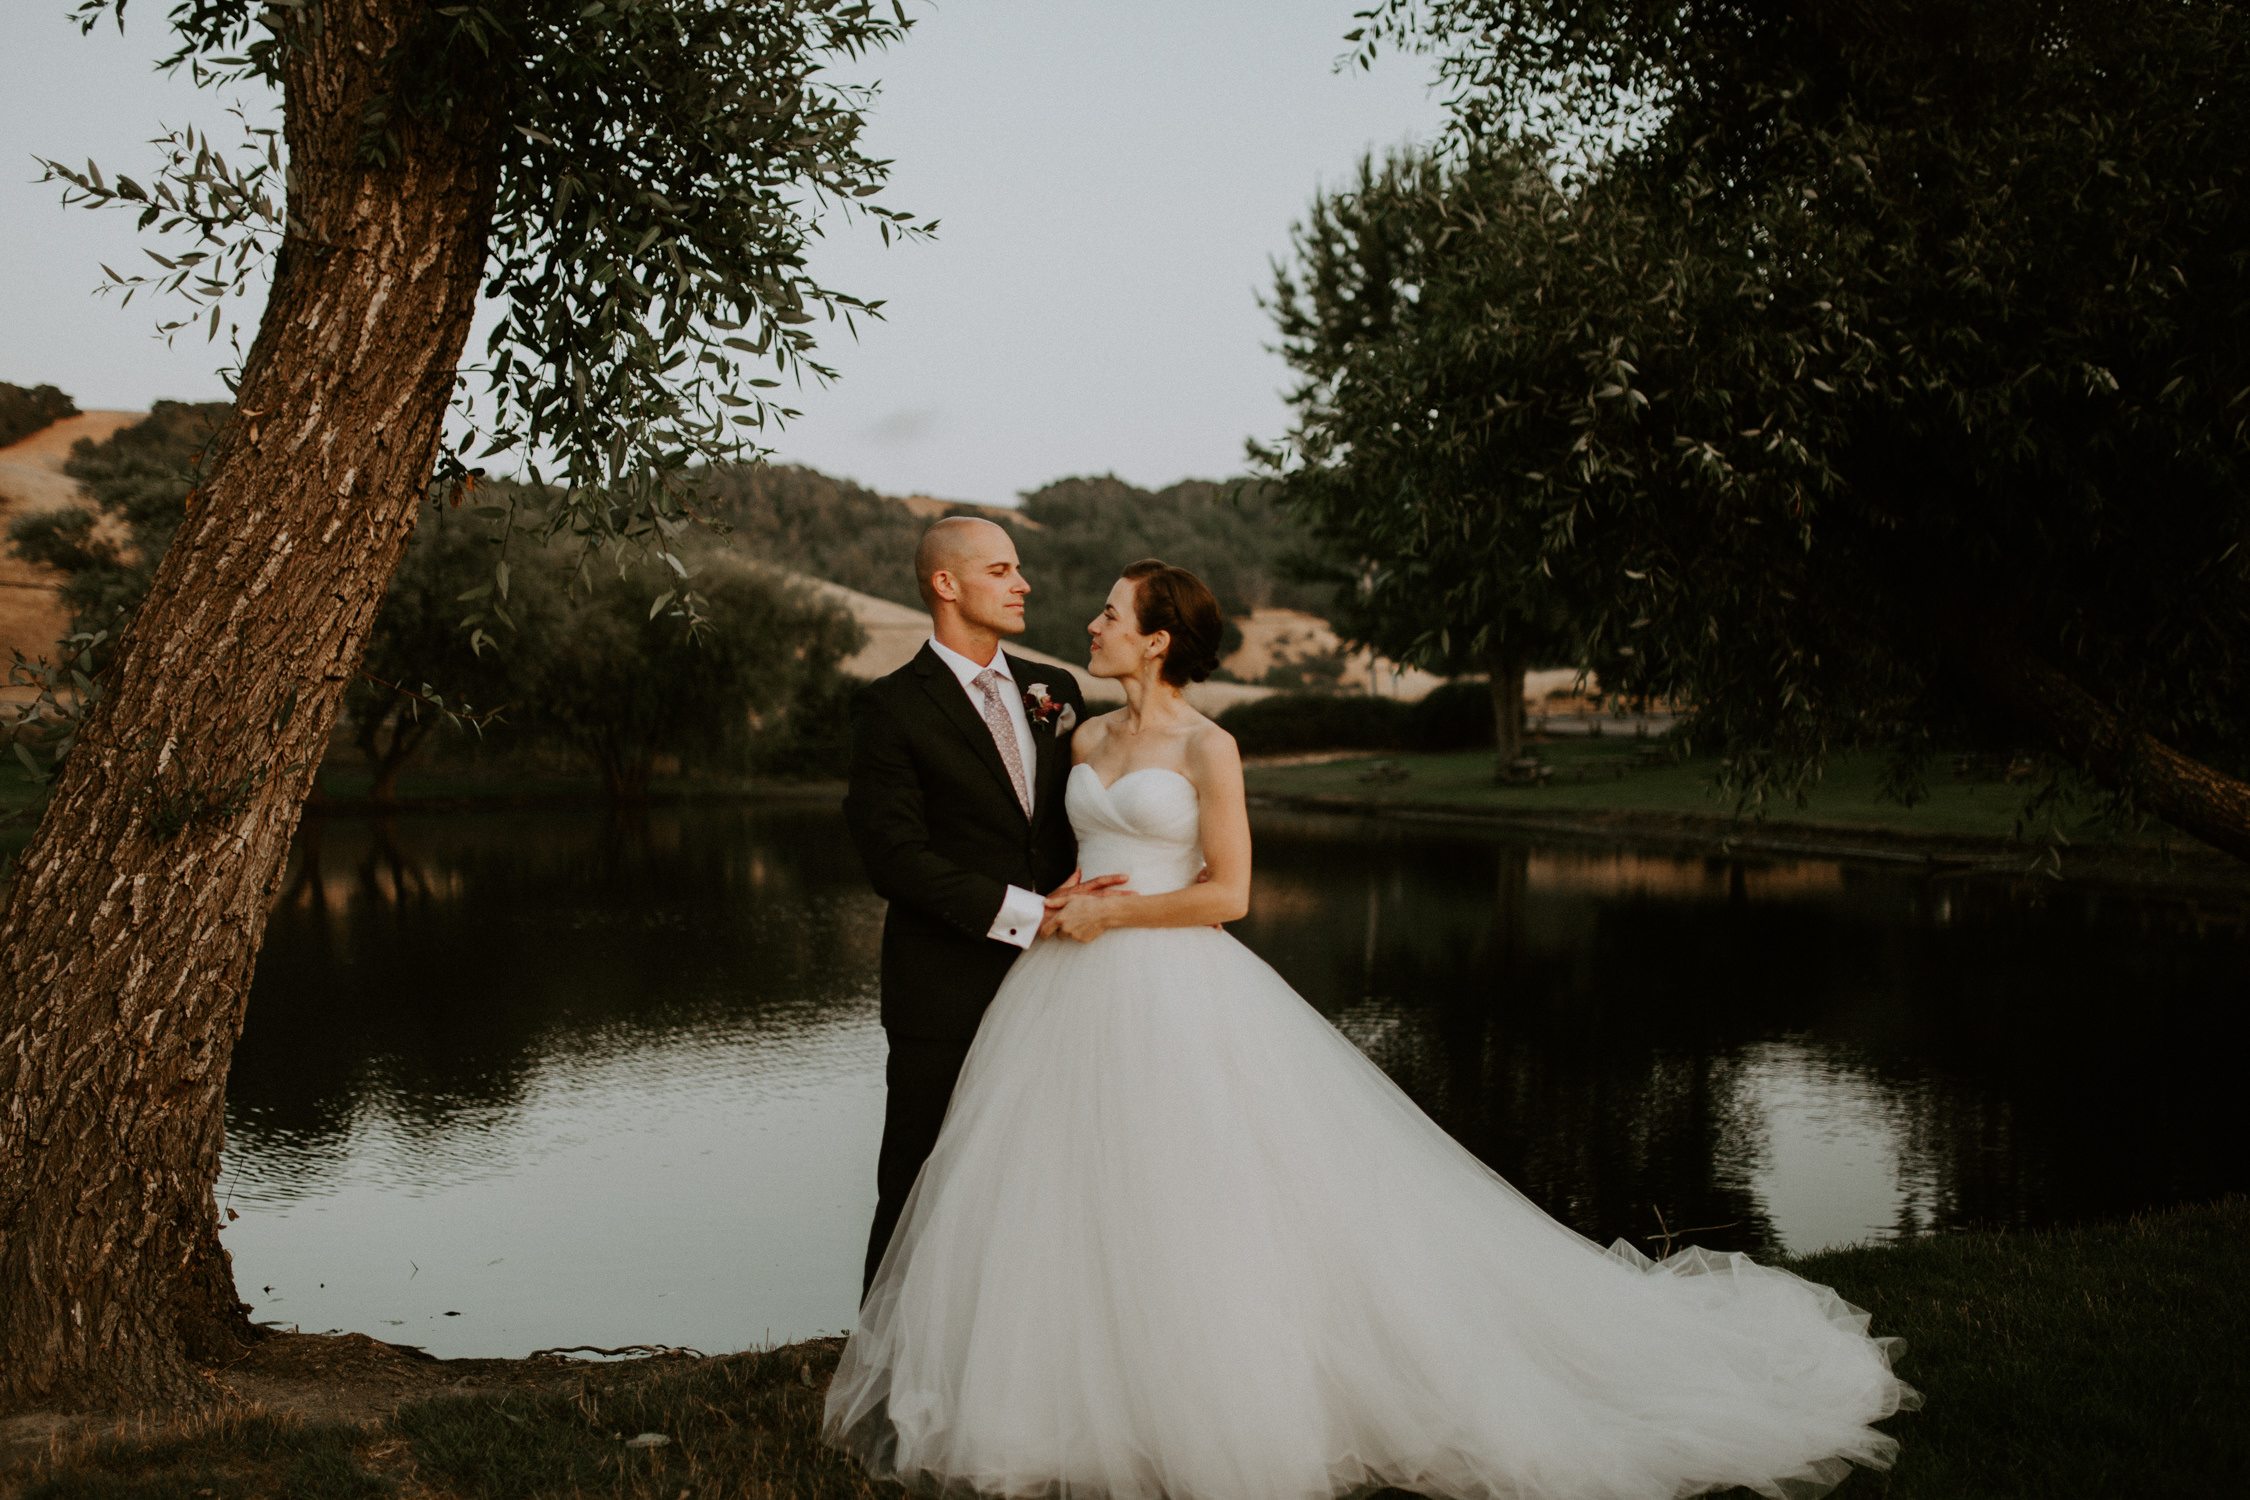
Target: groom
[{"x": 958, "y": 764}]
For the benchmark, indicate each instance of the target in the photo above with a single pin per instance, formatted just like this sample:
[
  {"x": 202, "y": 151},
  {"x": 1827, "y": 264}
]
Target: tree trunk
[
  {"x": 1507, "y": 664},
  {"x": 2185, "y": 793},
  {"x": 135, "y": 917}
]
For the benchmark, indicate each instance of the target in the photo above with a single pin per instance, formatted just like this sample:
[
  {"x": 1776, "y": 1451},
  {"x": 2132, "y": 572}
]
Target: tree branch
[{"x": 2189, "y": 795}]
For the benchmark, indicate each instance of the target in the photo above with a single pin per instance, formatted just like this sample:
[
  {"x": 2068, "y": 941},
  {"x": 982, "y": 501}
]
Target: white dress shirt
[{"x": 1021, "y": 911}]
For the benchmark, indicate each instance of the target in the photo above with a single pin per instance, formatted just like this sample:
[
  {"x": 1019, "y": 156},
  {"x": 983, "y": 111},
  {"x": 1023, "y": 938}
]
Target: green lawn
[
  {"x": 2104, "y": 1362},
  {"x": 1609, "y": 774}
]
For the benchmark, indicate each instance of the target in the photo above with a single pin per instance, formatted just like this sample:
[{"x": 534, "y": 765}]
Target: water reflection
[
  {"x": 1802, "y": 1052},
  {"x": 523, "y": 1079},
  {"x": 518, "y": 1080}
]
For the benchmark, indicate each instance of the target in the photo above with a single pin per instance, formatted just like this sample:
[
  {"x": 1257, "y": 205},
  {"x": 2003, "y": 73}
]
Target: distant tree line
[
  {"x": 800, "y": 519},
  {"x": 579, "y": 654},
  {"x": 1073, "y": 536},
  {"x": 580, "y": 657},
  {"x": 25, "y": 411},
  {"x": 1234, "y": 536}
]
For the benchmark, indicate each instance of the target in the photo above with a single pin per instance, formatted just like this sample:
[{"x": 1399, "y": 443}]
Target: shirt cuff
[{"x": 1021, "y": 912}]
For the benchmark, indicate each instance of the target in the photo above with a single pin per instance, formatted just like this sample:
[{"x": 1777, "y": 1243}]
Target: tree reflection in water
[
  {"x": 1616, "y": 1033},
  {"x": 1772, "y": 1054},
  {"x": 430, "y": 965}
]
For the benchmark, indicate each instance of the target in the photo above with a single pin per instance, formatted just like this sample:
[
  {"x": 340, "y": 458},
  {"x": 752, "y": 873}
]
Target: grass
[
  {"x": 747, "y": 1425},
  {"x": 2101, "y": 1361},
  {"x": 2107, "y": 1361},
  {"x": 234, "y": 1456},
  {"x": 740, "y": 1427},
  {"x": 1607, "y": 774}
]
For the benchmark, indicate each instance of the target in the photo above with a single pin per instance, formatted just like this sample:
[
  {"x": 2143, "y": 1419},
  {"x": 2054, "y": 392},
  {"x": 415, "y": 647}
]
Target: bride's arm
[{"x": 1215, "y": 767}]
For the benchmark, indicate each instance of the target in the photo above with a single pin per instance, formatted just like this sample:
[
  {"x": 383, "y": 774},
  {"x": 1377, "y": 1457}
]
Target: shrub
[
  {"x": 1455, "y": 716},
  {"x": 135, "y": 483},
  {"x": 602, "y": 668},
  {"x": 812, "y": 739},
  {"x": 23, "y": 412},
  {"x": 1291, "y": 722}
]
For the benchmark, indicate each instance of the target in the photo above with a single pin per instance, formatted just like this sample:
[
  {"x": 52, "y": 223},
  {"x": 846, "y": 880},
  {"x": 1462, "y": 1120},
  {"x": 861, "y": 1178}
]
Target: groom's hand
[{"x": 1060, "y": 896}]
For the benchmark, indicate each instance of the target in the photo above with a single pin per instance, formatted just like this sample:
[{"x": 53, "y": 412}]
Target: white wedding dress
[{"x": 1180, "y": 1240}]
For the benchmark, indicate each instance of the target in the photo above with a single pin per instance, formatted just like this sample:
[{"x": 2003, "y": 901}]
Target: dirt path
[{"x": 32, "y": 479}]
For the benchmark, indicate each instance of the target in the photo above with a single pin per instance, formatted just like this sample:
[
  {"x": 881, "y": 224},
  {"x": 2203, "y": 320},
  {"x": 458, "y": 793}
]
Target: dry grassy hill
[{"x": 32, "y": 479}]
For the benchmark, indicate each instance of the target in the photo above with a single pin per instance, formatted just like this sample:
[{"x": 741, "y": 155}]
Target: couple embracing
[{"x": 1149, "y": 1228}]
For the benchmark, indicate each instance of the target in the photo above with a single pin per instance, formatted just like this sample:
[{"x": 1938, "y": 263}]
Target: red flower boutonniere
[{"x": 1045, "y": 713}]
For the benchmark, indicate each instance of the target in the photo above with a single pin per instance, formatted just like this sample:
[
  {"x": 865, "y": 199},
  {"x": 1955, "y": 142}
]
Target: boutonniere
[{"x": 1044, "y": 712}]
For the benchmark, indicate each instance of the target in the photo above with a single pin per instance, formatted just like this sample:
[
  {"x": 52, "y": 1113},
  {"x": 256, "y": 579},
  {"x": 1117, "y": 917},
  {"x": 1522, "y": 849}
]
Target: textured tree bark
[
  {"x": 1507, "y": 664},
  {"x": 2185, "y": 793},
  {"x": 136, "y": 913}
]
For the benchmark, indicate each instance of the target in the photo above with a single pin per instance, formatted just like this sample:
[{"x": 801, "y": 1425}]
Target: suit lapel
[
  {"x": 953, "y": 702},
  {"x": 1047, "y": 749},
  {"x": 1042, "y": 747}
]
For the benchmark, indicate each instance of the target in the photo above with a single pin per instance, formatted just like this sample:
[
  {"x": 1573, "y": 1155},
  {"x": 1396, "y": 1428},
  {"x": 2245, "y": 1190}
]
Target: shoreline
[
  {"x": 2184, "y": 868},
  {"x": 568, "y": 797},
  {"x": 2188, "y": 870},
  {"x": 2050, "y": 1358}
]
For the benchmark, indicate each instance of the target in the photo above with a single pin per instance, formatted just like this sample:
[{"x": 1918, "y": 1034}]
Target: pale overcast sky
[{"x": 1112, "y": 180}]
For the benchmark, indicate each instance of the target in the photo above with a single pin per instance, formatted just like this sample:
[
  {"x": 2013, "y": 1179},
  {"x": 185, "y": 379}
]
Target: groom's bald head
[{"x": 960, "y": 546}]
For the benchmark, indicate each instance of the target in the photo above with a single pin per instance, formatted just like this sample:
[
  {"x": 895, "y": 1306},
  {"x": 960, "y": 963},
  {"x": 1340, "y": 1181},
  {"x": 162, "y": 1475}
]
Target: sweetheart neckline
[{"x": 1111, "y": 786}]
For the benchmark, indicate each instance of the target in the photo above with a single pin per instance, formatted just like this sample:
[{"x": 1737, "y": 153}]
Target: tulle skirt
[{"x": 1180, "y": 1240}]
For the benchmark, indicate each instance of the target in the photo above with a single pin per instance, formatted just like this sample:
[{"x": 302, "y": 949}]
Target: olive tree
[
  {"x": 623, "y": 686},
  {"x": 635, "y": 182},
  {"x": 1914, "y": 374},
  {"x": 1417, "y": 393}
]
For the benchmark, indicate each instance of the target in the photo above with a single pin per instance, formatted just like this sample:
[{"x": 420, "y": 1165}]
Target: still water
[{"x": 526, "y": 1080}]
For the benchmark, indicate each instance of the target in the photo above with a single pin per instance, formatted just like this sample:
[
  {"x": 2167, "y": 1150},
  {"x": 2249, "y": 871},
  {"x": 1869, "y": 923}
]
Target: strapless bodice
[{"x": 1147, "y": 825}]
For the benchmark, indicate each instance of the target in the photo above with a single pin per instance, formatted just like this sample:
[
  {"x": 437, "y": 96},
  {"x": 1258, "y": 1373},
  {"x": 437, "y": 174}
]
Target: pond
[{"x": 523, "y": 1080}]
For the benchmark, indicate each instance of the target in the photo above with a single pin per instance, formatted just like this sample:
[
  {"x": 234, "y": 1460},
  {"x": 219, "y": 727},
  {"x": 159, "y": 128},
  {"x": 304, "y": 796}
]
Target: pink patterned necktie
[{"x": 1003, "y": 734}]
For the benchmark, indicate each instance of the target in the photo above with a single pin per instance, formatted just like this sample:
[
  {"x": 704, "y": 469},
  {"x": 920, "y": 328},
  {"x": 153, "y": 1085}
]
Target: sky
[{"x": 1112, "y": 180}]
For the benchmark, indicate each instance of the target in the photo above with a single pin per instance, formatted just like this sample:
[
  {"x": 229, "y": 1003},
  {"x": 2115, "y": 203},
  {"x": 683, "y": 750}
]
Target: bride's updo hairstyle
[{"x": 1173, "y": 599}]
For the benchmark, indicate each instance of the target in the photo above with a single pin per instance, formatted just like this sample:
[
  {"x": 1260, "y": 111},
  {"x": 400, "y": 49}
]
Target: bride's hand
[
  {"x": 1082, "y": 918},
  {"x": 1081, "y": 892},
  {"x": 1077, "y": 885}
]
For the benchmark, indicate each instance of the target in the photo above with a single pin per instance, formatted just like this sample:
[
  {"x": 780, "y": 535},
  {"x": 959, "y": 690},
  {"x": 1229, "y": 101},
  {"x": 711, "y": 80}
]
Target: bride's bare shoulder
[
  {"x": 1210, "y": 748},
  {"x": 1087, "y": 741}
]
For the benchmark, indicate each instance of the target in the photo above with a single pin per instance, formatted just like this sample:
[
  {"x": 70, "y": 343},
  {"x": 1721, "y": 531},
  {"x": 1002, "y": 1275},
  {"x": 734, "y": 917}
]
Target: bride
[{"x": 1180, "y": 1240}]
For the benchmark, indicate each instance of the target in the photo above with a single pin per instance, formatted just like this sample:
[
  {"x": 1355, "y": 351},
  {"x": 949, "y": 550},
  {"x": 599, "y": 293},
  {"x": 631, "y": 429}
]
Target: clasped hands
[
  {"x": 1072, "y": 907},
  {"x": 1075, "y": 908}
]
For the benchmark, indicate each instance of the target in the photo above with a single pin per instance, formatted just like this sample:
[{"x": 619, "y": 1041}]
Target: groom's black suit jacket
[{"x": 939, "y": 829}]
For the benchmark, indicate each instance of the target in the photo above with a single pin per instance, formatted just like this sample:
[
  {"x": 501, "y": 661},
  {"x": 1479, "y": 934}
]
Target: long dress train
[{"x": 1180, "y": 1240}]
